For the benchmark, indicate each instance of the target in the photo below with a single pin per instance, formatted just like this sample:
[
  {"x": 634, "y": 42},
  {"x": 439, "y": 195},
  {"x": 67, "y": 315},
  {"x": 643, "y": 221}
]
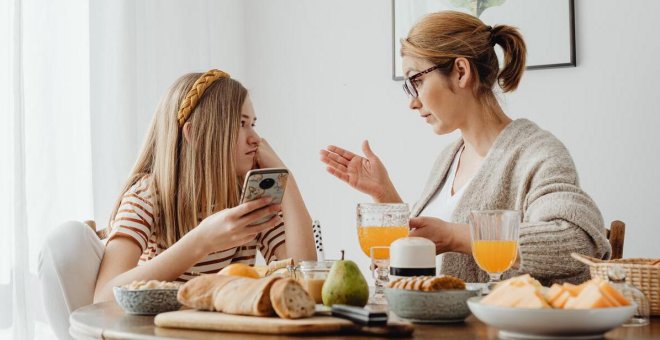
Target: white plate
[{"x": 527, "y": 323}]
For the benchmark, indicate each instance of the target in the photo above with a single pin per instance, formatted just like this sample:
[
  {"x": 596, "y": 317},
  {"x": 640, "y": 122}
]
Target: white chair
[{"x": 68, "y": 265}]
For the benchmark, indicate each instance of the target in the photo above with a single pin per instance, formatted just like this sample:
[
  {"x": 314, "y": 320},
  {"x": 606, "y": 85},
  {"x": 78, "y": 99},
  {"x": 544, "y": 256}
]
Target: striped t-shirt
[{"x": 135, "y": 220}]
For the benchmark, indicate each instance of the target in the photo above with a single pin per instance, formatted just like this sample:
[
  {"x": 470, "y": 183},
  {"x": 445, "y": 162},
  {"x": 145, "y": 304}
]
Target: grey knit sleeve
[{"x": 558, "y": 219}]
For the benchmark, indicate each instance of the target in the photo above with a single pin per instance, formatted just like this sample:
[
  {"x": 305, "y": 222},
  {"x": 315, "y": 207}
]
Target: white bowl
[{"x": 526, "y": 323}]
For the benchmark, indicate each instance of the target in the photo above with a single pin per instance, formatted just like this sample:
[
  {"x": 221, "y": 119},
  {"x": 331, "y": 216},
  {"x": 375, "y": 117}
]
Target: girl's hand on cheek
[{"x": 266, "y": 156}]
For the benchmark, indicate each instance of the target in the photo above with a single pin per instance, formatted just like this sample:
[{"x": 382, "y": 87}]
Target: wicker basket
[{"x": 639, "y": 272}]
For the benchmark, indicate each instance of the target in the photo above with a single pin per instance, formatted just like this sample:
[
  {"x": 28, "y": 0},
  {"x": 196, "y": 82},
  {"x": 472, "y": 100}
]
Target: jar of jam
[{"x": 312, "y": 275}]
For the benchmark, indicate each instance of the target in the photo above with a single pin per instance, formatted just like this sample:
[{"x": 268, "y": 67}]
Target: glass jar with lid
[
  {"x": 312, "y": 275},
  {"x": 617, "y": 276}
]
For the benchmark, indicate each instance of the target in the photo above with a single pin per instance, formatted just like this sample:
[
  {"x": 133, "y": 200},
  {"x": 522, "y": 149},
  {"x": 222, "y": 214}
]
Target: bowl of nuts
[{"x": 147, "y": 297}]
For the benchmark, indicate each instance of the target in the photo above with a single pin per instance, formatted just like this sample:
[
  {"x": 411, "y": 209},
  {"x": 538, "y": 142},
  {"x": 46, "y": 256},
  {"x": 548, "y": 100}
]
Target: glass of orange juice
[
  {"x": 494, "y": 236},
  {"x": 378, "y": 225}
]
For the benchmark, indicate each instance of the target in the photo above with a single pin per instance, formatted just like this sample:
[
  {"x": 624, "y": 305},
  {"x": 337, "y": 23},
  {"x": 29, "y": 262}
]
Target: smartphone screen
[{"x": 265, "y": 183}]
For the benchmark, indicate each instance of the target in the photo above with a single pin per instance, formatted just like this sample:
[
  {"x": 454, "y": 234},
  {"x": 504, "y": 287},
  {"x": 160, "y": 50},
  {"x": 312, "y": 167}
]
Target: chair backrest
[
  {"x": 100, "y": 233},
  {"x": 616, "y": 235}
]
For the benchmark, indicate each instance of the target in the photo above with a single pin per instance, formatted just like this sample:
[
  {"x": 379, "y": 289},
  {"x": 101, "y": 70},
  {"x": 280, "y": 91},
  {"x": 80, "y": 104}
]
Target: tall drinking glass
[
  {"x": 494, "y": 236},
  {"x": 378, "y": 225},
  {"x": 380, "y": 266}
]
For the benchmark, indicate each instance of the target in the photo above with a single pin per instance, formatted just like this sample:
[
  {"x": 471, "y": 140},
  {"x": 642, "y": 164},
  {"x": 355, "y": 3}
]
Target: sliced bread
[{"x": 290, "y": 300}]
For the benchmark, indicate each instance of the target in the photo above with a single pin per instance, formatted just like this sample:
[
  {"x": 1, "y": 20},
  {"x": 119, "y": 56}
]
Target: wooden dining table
[{"x": 108, "y": 321}]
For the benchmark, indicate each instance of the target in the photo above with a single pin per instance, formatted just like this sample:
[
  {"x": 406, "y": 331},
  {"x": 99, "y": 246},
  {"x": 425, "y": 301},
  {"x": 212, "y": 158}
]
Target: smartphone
[{"x": 260, "y": 183}]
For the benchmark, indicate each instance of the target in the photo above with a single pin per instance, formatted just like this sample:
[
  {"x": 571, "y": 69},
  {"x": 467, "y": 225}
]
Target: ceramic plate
[
  {"x": 436, "y": 321},
  {"x": 527, "y": 323}
]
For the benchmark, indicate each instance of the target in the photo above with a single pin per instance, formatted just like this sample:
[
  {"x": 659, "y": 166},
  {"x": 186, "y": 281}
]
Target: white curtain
[
  {"x": 79, "y": 83},
  {"x": 46, "y": 154}
]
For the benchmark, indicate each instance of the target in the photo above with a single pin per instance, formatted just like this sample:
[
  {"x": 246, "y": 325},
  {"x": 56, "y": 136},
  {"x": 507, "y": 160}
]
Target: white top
[{"x": 443, "y": 203}]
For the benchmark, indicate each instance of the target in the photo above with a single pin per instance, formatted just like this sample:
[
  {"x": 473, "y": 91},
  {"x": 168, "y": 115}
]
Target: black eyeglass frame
[{"x": 408, "y": 84}]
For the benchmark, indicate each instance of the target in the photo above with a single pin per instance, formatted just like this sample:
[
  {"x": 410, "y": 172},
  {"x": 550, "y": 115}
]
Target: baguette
[
  {"x": 245, "y": 296},
  {"x": 198, "y": 292},
  {"x": 290, "y": 300}
]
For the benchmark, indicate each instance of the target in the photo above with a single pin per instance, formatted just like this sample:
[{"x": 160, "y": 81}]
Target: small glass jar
[
  {"x": 617, "y": 276},
  {"x": 312, "y": 275}
]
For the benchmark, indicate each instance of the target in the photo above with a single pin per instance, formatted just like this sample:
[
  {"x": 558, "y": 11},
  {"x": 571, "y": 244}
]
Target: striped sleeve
[
  {"x": 270, "y": 240},
  {"x": 134, "y": 219}
]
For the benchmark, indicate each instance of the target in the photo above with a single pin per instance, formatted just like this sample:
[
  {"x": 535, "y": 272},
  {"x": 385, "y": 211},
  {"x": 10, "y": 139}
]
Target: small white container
[{"x": 412, "y": 256}]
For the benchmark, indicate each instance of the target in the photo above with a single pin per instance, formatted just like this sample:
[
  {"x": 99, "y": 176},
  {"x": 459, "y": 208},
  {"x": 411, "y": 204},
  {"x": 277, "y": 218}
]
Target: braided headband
[{"x": 192, "y": 98}]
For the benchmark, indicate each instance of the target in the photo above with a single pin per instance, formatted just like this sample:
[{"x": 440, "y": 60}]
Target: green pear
[{"x": 345, "y": 285}]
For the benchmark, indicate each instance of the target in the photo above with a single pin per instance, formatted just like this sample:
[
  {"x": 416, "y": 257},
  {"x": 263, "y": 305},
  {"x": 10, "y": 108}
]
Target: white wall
[{"x": 320, "y": 73}]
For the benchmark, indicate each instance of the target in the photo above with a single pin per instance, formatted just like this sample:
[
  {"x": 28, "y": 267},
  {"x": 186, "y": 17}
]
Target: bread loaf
[
  {"x": 290, "y": 300},
  {"x": 245, "y": 296},
  {"x": 198, "y": 292}
]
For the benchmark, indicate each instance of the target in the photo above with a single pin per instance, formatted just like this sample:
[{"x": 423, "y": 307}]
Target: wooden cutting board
[{"x": 203, "y": 320}]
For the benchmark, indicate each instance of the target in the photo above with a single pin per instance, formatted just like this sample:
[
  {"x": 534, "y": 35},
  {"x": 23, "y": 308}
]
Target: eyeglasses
[{"x": 409, "y": 86}]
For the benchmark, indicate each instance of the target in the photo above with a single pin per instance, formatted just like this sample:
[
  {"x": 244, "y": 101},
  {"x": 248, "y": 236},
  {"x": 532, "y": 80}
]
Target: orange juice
[
  {"x": 380, "y": 236},
  {"x": 494, "y": 256}
]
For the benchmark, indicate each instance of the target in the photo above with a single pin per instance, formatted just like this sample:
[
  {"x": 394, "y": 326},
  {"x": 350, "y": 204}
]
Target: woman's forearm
[
  {"x": 167, "y": 266},
  {"x": 298, "y": 225}
]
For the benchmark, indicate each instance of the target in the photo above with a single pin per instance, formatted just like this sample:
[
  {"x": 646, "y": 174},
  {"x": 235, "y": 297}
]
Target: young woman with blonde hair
[
  {"x": 451, "y": 69},
  {"x": 179, "y": 214}
]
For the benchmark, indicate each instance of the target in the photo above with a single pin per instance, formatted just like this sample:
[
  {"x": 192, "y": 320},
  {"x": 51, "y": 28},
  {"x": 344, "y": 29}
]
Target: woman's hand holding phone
[{"x": 232, "y": 227}]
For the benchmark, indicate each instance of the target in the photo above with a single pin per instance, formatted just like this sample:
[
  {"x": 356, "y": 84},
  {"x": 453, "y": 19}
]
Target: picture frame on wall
[{"x": 548, "y": 26}]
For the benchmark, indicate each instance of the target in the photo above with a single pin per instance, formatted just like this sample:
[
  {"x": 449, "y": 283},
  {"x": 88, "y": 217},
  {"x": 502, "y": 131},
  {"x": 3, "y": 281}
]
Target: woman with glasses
[{"x": 451, "y": 70}]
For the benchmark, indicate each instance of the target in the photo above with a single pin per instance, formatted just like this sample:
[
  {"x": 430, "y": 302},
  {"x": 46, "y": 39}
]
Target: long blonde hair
[
  {"x": 191, "y": 179},
  {"x": 442, "y": 37}
]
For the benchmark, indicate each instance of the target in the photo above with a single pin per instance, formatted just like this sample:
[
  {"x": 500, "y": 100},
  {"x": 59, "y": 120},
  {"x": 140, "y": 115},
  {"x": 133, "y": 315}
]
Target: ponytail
[{"x": 513, "y": 45}]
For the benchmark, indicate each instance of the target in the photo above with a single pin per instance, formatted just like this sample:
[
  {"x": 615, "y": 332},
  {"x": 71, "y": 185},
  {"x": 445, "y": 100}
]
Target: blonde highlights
[
  {"x": 191, "y": 179},
  {"x": 442, "y": 37}
]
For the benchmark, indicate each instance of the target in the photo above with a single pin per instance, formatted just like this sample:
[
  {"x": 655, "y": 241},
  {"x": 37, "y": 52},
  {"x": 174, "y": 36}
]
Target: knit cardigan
[{"x": 530, "y": 170}]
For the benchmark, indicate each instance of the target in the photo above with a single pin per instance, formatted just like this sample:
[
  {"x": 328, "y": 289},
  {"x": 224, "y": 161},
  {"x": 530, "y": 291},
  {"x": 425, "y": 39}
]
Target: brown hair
[
  {"x": 442, "y": 37},
  {"x": 190, "y": 180}
]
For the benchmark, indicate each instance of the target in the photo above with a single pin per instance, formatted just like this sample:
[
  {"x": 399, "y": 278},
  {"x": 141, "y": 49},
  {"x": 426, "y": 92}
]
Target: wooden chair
[{"x": 616, "y": 235}]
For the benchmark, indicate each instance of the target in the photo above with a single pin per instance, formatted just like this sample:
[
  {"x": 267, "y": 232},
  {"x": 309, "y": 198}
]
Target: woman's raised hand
[
  {"x": 233, "y": 227},
  {"x": 366, "y": 174}
]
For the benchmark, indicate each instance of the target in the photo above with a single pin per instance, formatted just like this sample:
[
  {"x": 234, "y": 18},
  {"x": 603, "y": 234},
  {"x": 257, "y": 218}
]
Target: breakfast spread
[
  {"x": 151, "y": 284},
  {"x": 247, "y": 296},
  {"x": 525, "y": 292},
  {"x": 428, "y": 283}
]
